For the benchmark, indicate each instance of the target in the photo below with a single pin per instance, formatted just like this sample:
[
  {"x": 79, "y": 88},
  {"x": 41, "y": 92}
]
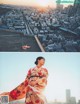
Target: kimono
[{"x": 31, "y": 89}]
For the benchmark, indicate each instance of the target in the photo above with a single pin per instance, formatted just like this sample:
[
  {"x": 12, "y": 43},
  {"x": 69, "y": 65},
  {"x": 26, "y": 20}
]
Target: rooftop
[{"x": 13, "y": 41}]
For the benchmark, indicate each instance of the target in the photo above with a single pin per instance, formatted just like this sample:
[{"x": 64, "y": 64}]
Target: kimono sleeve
[{"x": 20, "y": 91}]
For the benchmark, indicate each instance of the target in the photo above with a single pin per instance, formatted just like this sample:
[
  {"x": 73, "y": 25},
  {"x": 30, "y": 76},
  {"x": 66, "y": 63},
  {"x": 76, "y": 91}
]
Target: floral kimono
[{"x": 32, "y": 87}]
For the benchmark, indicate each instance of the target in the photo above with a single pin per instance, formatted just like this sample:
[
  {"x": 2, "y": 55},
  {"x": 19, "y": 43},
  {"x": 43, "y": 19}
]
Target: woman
[{"x": 33, "y": 85}]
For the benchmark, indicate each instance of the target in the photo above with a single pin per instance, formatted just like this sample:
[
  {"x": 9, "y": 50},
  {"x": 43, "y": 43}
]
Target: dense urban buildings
[{"x": 58, "y": 30}]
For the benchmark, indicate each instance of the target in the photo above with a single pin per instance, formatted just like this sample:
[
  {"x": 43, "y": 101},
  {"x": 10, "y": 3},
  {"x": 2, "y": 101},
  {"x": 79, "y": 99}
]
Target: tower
[
  {"x": 68, "y": 96},
  {"x": 77, "y": 6},
  {"x": 59, "y": 6},
  {"x": 77, "y": 3}
]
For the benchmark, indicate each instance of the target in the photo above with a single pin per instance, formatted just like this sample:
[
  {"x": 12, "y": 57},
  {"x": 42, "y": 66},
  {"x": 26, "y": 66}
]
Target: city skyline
[{"x": 63, "y": 70}]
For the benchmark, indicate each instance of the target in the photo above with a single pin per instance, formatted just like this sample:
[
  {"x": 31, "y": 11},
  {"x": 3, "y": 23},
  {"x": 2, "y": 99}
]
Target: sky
[
  {"x": 63, "y": 69},
  {"x": 43, "y": 3},
  {"x": 29, "y": 2}
]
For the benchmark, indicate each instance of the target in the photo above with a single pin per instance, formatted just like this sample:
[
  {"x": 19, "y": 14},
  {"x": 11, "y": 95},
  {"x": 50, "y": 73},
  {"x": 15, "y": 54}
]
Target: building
[
  {"x": 59, "y": 6},
  {"x": 78, "y": 101},
  {"x": 11, "y": 41},
  {"x": 77, "y": 3},
  {"x": 77, "y": 6},
  {"x": 73, "y": 100},
  {"x": 0, "y": 21},
  {"x": 68, "y": 96}
]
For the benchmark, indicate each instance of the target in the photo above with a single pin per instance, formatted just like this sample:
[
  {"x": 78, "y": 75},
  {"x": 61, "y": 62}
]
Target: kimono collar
[{"x": 38, "y": 68}]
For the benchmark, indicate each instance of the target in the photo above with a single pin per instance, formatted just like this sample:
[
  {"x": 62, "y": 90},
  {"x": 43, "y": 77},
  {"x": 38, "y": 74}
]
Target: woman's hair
[{"x": 38, "y": 58}]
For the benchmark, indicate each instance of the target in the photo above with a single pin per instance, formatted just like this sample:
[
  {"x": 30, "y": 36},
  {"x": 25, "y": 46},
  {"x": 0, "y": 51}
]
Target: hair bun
[{"x": 36, "y": 62}]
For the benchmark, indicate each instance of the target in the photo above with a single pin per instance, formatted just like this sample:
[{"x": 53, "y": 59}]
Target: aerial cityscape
[{"x": 36, "y": 29}]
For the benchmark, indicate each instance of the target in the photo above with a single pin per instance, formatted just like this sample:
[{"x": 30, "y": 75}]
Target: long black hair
[{"x": 38, "y": 58}]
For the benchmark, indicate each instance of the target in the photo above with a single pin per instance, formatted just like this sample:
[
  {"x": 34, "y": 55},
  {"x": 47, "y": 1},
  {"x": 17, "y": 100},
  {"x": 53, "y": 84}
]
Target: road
[{"x": 28, "y": 29}]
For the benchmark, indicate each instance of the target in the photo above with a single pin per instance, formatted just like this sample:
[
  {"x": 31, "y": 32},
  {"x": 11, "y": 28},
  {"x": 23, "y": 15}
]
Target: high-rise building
[
  {"x": 73, "y": 100},
  {"x": 58, "y": 2},
  {"x": 78, "y": 101},
  {"x": 59, "y": 6},
  {"x": 77, "y": 3},
  {"x": 68, "y": 96},
  {"x": 77, "y": 7}
]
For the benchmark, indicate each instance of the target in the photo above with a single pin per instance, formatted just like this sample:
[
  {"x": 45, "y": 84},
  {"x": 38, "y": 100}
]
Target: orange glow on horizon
[
  {"x": 43, "y": 3},
  {"x": 37, "y": 3}
]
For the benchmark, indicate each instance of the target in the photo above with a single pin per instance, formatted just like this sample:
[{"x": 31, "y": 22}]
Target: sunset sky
[
  {"x": 43, "y": 3},
  {"x": 30, "y": 2},
  {"x": 63, "y": 68}
]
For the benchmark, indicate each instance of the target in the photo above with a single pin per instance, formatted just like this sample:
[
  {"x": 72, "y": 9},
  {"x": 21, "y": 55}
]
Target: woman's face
[{"x": 41, "y": 61}]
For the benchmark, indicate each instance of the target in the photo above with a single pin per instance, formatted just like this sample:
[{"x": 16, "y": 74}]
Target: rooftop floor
[{"x": 13, "y": 41}]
